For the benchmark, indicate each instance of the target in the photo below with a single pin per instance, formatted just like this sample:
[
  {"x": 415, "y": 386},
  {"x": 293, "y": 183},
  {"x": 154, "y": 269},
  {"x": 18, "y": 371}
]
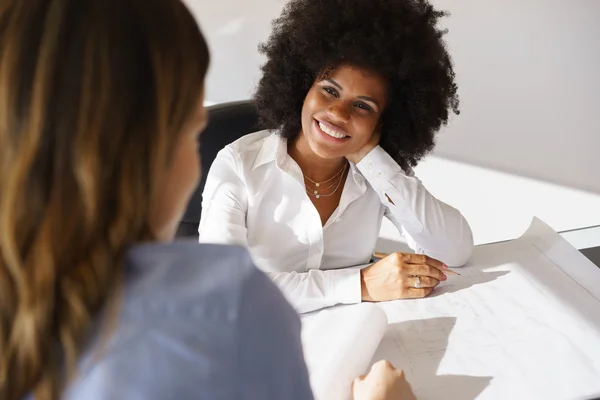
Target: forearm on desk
[{"x": 317, "y": 289}]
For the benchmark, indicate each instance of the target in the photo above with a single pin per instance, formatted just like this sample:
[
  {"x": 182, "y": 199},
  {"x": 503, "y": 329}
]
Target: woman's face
[
  {"x": 342, "y": 110},
  {"x": 181, "y": 179}
]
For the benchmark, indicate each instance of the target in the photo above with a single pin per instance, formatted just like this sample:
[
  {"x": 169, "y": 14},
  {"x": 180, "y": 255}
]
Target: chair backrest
[{"x": 227, "y": 122}]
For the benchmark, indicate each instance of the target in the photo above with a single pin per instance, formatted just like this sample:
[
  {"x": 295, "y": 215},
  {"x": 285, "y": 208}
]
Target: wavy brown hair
[{"x": 93, "y": 94}]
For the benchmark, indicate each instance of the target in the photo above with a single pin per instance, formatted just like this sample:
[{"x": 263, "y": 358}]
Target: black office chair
[{"x": 227, "y": 122}]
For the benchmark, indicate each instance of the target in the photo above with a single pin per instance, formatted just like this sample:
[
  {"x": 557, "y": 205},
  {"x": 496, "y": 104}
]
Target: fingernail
[
  {"x": 444, "y": 266},
  {"x": 444, "y": 277}
]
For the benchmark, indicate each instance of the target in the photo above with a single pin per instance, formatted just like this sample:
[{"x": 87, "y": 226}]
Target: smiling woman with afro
[
  {"x": 354, "y": 92},
  {"x": 397, "y": 39}
]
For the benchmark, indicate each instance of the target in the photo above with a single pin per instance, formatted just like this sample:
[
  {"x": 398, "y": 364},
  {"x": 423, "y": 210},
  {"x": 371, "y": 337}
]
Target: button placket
[{"x": 315, "y": 236}]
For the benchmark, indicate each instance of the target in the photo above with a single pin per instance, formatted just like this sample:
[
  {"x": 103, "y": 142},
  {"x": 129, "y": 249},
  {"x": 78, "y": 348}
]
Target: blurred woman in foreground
[{"x": 100, "y": 110}]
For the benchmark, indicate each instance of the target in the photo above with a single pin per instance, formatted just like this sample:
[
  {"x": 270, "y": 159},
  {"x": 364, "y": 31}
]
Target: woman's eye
[
  {"x": 363, "y": 106},
  {"x": 331, "y": 91}
]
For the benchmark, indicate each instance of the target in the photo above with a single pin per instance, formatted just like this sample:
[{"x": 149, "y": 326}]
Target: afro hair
[{"x": 398, "y": 39}]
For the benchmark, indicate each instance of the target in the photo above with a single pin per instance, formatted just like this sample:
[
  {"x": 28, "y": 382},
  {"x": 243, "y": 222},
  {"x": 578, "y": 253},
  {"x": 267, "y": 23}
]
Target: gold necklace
[
  {"x": 317, "y": 184},
  {"x": 322, "y": 189},
  {"x": 318, "y": 195}
]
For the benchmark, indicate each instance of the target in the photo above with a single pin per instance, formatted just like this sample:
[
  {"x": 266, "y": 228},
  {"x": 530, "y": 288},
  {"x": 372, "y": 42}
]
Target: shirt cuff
[
  {"x": 378, "y": 166},
  {"x": 344, "y": 285}
]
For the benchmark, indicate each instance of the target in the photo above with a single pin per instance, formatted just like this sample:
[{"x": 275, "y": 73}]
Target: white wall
[
  {"x": 233, "y": 29},
  {"x": 528, "y": 139}
]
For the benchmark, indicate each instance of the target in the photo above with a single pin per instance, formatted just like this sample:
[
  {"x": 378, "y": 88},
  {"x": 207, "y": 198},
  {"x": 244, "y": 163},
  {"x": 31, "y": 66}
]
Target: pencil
[{"x": 383, "y": 255}]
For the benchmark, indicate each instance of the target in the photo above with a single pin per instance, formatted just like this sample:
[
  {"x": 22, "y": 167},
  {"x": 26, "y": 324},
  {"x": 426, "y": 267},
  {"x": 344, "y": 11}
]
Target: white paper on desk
[
  {"x": 339, "y": 345},
  {"x": 521, "y": 322}
]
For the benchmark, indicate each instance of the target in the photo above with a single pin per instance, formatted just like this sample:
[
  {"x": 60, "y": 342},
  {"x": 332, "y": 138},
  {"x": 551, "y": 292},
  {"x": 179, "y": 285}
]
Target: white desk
[{"x": 521, "y": 322}]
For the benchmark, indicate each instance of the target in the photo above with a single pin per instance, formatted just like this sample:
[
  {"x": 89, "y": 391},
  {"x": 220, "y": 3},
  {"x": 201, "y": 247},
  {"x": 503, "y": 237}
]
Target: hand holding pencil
[
  {"x": 384, "y": 255},
  {"x": 402, "y": 276}
]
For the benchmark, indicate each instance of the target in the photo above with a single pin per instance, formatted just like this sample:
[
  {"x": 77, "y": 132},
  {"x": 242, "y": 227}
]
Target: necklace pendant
[
  {"x": 315, "y": 191},
  {"x": 317, "y": 184}
]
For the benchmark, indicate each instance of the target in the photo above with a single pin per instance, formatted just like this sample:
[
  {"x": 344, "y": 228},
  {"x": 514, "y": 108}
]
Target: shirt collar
[
  {"x": 358, "y": 178},
  {"x": 274, "y": 148}
]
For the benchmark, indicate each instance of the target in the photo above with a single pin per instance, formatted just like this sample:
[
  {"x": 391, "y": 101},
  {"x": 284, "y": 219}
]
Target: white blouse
[{"x": 255, "y": 197}]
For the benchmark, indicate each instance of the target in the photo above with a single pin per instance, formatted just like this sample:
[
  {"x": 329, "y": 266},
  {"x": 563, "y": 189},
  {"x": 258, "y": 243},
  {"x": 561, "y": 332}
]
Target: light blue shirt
[{"x": 196, "y": 322}]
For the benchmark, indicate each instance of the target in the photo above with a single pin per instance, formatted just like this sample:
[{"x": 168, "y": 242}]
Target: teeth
[{"x": 330, "y": 132}]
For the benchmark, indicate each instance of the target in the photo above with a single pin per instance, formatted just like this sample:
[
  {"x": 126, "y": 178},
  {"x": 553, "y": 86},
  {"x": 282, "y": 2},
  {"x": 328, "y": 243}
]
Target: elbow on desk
[
  {"x": 459, "y": 259},
  {"x": 455, "y": 255},
  {"x": 460, "y": 254}
]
